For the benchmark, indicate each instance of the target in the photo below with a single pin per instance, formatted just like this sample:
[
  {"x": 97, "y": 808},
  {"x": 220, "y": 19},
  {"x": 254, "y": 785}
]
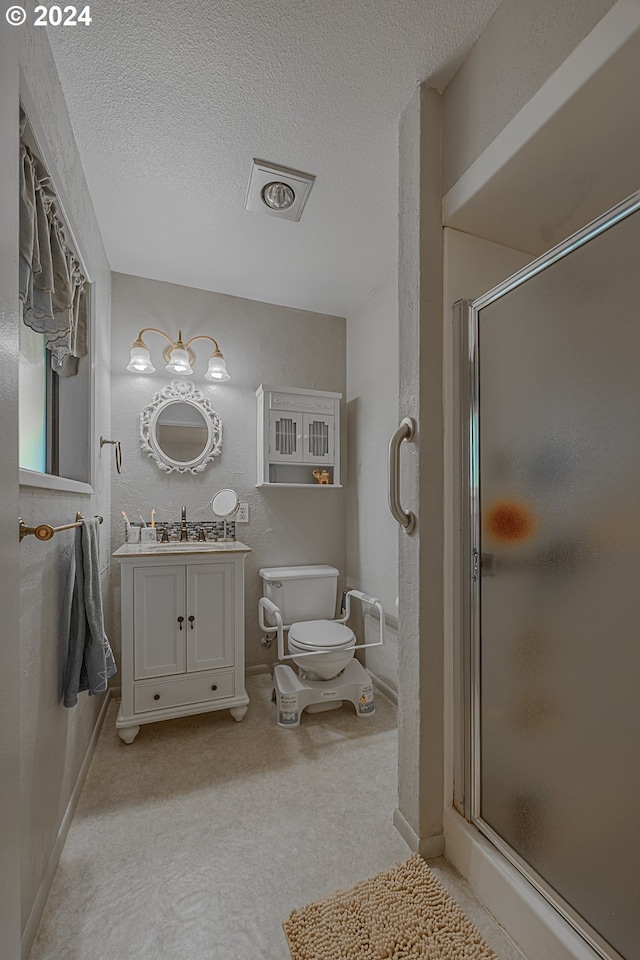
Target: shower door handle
[{"x": 406, "y": 519}]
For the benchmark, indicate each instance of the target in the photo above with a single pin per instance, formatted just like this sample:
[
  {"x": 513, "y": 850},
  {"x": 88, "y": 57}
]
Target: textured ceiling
[{"x": 170, "y": 101}]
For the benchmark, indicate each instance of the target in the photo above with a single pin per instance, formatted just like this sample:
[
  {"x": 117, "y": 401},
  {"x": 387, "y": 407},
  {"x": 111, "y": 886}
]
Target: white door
[
  {"x": 318, "y": 438},
  {"x": 12, "y": 589},
  {"x": 285, "y": 437},
  {"x": 159, "y": 618},
  {"x": 210, "y": 616}
]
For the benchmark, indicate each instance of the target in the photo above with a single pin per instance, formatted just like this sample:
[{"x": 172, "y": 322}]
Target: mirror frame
[
  {"x": 232, "y": 513},
  {"x": 180, "y": 391}
]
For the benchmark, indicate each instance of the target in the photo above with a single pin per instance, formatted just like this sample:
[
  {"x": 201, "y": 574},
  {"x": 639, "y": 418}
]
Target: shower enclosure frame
[{"x": 467, "y": 694}]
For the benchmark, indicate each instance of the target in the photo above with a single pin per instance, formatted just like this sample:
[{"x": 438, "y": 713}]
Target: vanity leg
[
  {"x": 238, "y": 713},
  {"x": 128, "y": 734}
]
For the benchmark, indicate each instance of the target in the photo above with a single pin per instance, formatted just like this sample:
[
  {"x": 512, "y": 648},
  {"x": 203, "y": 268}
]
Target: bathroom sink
[{"x": 180, "y": 549}]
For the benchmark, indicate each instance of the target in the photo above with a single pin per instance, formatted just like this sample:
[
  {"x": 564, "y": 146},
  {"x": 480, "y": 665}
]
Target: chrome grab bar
[{"x": 406, "y": 519}]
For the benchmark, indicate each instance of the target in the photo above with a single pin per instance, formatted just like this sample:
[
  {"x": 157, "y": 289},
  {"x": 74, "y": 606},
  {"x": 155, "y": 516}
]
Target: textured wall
[
  {"x": 372, "y": 416},
  {"x": 262, "y": 343},
  {"x": 54, "y": 740},
  {"x": 420, "y": 617},
  {"x": 520, "y": 48}
]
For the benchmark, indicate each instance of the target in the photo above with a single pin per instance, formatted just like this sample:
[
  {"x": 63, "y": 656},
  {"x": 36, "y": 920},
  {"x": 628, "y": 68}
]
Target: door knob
[
  {"x": 191, "y": 619},
  {"x": 181, "y": 621}
]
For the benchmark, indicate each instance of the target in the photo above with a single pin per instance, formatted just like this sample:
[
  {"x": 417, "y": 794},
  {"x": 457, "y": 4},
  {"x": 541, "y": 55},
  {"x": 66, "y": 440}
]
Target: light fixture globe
[
  {"x": 217, "y": 369},
  {"x": 278, "y": 196},
  {"x": 178, "y": 356},
  {"x": 179, "y": 362},
  {"x": 140, "y": 361}
]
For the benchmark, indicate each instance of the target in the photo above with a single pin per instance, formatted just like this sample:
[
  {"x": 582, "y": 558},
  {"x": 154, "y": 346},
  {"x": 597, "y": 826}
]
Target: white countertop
[{"x": 175, "y": 548}]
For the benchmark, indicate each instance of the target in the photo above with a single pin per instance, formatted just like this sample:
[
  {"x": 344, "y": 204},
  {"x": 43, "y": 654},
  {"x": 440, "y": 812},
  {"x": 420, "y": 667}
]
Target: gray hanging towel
[{"x": 88, "y": 660}]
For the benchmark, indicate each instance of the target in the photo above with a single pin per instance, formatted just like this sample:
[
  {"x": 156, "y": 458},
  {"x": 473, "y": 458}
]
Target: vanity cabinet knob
[
  {"x": 156, "y": 696},
  {"x": 214, "y": 686},
  {"x": 191, "y": 619},
  {"x": 181, "y": 621}
]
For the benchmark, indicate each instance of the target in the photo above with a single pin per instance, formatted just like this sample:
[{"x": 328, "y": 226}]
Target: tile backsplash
[{"x": 213, "y": 529}]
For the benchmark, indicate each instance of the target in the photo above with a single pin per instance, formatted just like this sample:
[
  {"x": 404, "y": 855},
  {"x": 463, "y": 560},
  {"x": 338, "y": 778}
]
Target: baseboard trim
[
  {"x": 383, "y": 688},
  {"x": 258, "y": 668},
  {"x": 31, "y": 926},
  {"x": 426, "y": 846}
]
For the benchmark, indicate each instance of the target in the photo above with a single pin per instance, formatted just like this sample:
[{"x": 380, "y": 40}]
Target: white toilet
[
  {"x": 306, "y": 598},
  {"x": 302, "y": 601}
]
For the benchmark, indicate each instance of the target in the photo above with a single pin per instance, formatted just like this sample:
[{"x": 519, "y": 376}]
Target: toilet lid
[{"x": 320, "y": 633}]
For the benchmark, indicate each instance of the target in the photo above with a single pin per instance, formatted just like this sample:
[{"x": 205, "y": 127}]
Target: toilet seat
[{"x": 321, "y": 635}]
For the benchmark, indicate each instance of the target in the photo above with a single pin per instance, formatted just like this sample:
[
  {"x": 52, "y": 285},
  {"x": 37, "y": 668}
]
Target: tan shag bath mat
[{"x": 403, "y": 914}]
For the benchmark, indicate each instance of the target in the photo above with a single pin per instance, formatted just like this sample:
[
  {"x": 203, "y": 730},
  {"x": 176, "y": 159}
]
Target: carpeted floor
[{"x": 196, "y": 841}]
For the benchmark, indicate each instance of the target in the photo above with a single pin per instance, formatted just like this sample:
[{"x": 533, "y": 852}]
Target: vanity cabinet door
[
  {"x": 160, "y": 626},
  {"x": 318, "y": 438},
  {"x": 210, "y": 623}
]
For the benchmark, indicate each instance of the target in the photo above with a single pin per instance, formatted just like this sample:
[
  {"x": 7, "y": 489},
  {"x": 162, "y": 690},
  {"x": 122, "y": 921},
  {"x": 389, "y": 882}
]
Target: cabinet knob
[
  {"x": 191, "y": 619},
  {"x": 156, "y": 696},
  {"x": 214, "y": 686},
  {"x": 181, "y": 621}
]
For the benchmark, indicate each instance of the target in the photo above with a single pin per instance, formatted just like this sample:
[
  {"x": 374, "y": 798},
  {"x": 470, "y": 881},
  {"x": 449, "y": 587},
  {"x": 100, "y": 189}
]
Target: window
[{"x": 55, "y": 376}]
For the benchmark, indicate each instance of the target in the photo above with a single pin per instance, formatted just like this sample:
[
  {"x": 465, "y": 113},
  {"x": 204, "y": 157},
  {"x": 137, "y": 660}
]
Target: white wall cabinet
[
  {"x": 298, "y": 432},
  {"x": 182, "y": 632}
]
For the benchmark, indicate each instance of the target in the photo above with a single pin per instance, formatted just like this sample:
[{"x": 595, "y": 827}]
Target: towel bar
[{"x": 45, "y": 531}]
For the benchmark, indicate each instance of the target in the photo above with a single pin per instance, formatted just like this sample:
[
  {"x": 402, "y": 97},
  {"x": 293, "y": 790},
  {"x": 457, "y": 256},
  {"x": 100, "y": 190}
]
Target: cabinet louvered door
[
  {"x": 319, "y": 438},
  {"x": 285, "y": 437}
]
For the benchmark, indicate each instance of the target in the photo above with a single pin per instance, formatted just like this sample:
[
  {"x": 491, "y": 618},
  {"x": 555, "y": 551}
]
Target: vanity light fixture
[{"x": 178, "y": 357}]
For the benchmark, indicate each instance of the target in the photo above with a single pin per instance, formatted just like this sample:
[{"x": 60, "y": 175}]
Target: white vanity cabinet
[
  {"x": 182, "y": 632},
  {"x": 298, "y": 432}
]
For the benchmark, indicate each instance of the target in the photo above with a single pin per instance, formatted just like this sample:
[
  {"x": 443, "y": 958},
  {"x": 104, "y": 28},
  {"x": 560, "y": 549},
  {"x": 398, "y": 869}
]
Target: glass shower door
[{"x": 555, "y": 489}]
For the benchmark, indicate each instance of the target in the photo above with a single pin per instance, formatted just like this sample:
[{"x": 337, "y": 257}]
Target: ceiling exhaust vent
[{"x": 278, "y": 191}]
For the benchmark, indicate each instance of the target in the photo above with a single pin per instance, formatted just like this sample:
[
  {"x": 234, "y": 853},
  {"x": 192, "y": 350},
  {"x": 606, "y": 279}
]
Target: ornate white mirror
[{"x": 180, "y": 429}]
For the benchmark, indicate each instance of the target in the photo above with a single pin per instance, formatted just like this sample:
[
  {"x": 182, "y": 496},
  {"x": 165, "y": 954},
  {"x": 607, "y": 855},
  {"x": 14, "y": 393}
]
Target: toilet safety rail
[{"x": 264, "y": 604}]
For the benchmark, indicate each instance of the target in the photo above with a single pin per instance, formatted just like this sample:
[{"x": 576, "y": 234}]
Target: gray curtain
[{"x": 52, "y": 284}]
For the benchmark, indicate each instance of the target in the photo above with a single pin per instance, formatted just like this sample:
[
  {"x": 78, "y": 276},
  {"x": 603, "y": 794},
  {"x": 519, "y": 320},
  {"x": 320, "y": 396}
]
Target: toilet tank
[{"x": 302, "y": 593}]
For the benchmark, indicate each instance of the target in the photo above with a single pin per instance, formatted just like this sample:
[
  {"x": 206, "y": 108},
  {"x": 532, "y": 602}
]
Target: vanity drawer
[{"x": 159, "y": 694}]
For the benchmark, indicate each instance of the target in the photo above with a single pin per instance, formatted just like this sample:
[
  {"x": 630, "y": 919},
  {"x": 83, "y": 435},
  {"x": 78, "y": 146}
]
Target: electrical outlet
[{"x": 242, "y": 516}]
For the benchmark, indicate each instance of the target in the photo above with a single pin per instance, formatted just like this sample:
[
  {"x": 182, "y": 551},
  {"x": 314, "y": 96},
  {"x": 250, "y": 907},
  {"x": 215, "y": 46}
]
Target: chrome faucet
[{"x": 184, "y": 532}]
